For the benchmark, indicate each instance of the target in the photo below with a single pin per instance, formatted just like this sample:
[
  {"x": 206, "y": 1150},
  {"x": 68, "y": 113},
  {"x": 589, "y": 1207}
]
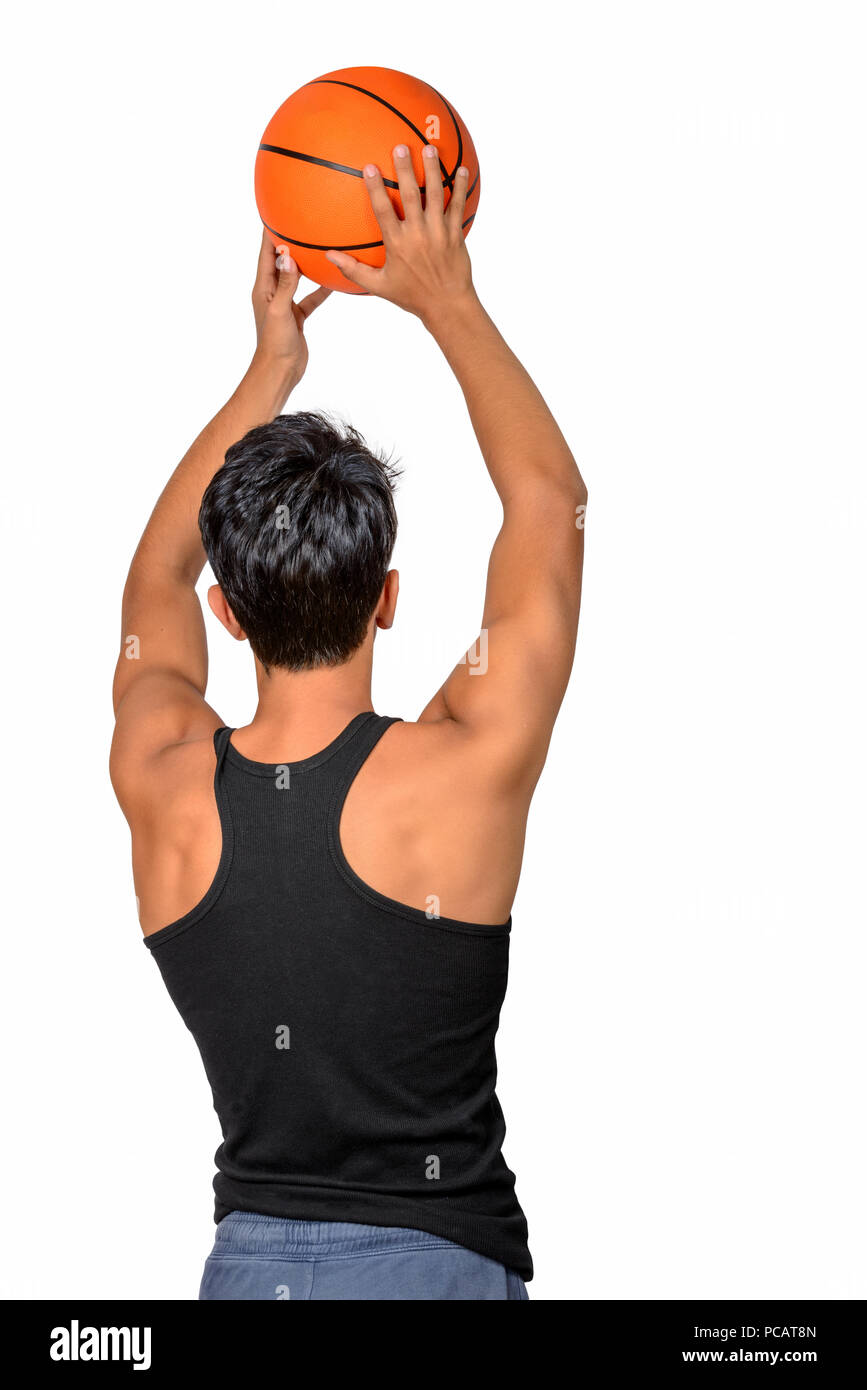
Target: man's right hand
[{"x": 427, "y": 266}]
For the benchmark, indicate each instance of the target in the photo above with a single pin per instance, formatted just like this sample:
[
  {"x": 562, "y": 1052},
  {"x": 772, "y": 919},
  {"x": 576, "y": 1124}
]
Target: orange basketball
[{"x": 309, "y": 170}]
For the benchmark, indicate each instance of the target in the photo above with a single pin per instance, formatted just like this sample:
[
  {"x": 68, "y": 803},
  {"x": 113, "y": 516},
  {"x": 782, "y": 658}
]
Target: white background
[{"x": 672, "y": 234}]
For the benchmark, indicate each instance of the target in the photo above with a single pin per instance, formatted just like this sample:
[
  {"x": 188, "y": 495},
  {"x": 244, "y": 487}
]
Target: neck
[{"x": 301, "y": 712}]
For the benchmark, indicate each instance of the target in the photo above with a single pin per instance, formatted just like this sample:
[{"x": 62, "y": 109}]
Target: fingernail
[
  {"x": 370, "y": 171},
  {"x": 431, "y": 152},
  {"x": 401, "y": 151},
  {"x": 463, "y": 172},
  {"x": 285, "y": 263}
]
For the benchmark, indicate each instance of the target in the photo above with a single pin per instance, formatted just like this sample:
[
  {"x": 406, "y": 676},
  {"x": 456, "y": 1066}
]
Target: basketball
[{"x": 309, "y": 179}]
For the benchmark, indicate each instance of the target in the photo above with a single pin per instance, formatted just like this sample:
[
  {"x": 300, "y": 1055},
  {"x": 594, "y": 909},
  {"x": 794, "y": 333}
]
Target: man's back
[
  {"x": 348, "y": 1037},
  {"x": 427, "y": 822}
]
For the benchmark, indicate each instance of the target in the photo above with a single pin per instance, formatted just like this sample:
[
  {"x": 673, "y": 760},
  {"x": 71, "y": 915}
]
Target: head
[{"x": 299, "y": 525}]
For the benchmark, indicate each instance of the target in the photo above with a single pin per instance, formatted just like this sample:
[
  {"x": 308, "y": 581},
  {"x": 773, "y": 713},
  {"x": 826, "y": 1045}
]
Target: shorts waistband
[{"x": 243, "y": 1232}]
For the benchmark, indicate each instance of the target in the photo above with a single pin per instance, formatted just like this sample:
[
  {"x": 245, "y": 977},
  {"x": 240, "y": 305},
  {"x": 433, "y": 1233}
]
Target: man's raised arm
[
  {"x": 161, "y": 674},
  {"x": 534, "y": 578}
]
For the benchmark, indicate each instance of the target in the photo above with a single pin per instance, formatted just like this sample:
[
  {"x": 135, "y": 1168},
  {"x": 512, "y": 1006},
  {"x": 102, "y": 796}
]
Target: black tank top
[{"x": 348, "y": 1038}]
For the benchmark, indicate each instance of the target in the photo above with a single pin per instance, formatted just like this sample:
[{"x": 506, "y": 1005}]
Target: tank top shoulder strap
[
  {"x": 221, "y": 743},
  {"x": 351, "y": 755},
  {"x": 221, "y": 790}
]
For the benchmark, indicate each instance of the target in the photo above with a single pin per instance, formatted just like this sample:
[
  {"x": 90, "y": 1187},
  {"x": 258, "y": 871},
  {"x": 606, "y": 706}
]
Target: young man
[{"x": 326, "y": 891}]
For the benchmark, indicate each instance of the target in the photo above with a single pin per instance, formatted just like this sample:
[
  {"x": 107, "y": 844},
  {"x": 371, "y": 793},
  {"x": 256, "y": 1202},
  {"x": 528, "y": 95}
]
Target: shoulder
[
  {"x": 167, "y": 783},
  {"x": 443, "y": 759},
  {"x": 164, "y": 731}
]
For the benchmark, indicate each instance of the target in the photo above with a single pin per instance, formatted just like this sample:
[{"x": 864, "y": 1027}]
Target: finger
[
  {"x": 407, "y": 183},
  {"x": 383, "y": 208},
  {"x": 312, "y": 301},
  {"x": 266, "y": 272},
  {"x": 458, "y": 200},
  {"x": 433, "y": 183},
  {"x": 288, "y": 276},
  {"x": 356, "y": 271}
]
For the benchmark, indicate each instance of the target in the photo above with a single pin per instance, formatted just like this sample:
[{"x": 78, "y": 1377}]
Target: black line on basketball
[
  {"x": 338, "y": 168},
  {"x": 358, "y": 246},
  {"x": 336, "y": 82},
  {"x": 324, "y": 163},
  {"x": 451, "y": 177},
  {"x": 314, "y": 246}
]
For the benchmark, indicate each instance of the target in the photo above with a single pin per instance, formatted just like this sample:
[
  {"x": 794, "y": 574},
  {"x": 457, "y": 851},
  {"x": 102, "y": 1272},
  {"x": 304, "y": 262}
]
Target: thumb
[
  {"x": 288, "y": 275},
  {"x": 365, "y": 276}
]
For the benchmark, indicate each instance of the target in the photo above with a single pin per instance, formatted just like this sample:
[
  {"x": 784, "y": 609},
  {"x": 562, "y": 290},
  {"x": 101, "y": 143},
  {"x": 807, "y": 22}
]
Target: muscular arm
[
  {"x": 161, "y": 674},
  {"x": 510, "y": 696},
  {"x": 533, "y": 593}
]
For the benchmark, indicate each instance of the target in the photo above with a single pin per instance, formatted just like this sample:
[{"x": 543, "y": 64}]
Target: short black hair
[{"x": 299, "y": 525}]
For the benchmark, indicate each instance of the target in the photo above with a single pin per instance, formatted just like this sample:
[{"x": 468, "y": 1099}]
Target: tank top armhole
[
  {"x": 218, "y": 883},
  {"x": 371, "y": 895}
]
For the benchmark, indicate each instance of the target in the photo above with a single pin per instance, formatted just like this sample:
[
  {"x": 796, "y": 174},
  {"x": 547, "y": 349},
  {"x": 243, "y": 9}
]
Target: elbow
[
  {"x": 548, "y": 495},
  {"x": 572, "y": 494},
  {"x": 569, "y": 486},
  {"x": 579, "y": 487},
  {"x": 575, "y": 499}
]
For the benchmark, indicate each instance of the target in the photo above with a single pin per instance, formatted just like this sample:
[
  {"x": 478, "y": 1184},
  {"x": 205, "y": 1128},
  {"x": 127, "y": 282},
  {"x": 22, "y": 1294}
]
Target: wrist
[
  {"x": 458, "y": 311},
  {"x": 271, "y": 379}
]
